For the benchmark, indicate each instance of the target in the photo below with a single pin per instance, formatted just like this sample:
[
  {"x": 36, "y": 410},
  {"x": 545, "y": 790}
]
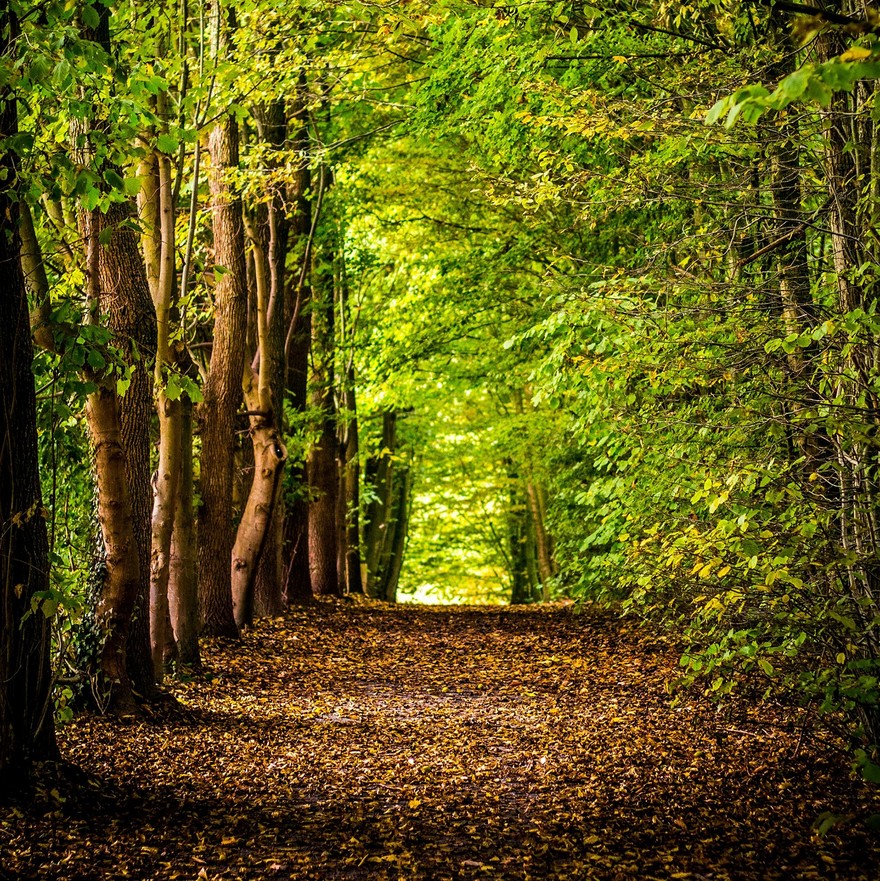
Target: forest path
[{"x": 365, "y": 742}]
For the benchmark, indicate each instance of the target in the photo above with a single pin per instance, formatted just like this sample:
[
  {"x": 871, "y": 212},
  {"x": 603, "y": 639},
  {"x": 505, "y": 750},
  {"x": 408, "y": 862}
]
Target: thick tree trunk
[
  {"x": 119, "y": 289},
  {"x": 222, "y": 392},
  {"x": 123, "y": 295},
  {"x": 26, "y": 730},
  {"x": 122, "y": 581}
]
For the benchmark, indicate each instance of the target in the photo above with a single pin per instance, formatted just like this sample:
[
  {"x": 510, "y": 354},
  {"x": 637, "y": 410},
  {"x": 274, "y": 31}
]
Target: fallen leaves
[{"x": 368, "y": 742}]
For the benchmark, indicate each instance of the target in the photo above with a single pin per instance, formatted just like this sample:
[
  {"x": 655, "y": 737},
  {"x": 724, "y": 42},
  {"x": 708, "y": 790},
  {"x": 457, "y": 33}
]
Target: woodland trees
[{"x": 448, "y": 299}]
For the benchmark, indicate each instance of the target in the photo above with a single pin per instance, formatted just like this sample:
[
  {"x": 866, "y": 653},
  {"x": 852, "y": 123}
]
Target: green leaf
[
  {"x": 717, "y": 111},
  {"x": 172, "y": 387},
  {"x": 90, "y": 16},
  {"x": 167, "y": 143},
  {"x": 132, "y": 186},
  {"x": 869, "y": 771},
  {"x": 114, "y": 179},
  {"x": 795, "y": 84}
]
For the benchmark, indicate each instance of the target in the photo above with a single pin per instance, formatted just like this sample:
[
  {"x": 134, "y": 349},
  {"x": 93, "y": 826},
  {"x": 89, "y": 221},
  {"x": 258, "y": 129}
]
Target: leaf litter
[{"x": 365, "y": 741}]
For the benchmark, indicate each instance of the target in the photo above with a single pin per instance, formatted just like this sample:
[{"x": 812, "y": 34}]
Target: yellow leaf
[
  {"x": 857, "y": 53},
  {"x": 620, "y": 59},
  {"x": 723, "y": 571},
  {"x": 414, "y": 803}
]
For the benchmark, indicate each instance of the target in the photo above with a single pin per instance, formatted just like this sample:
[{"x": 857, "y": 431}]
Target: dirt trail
[{"x": 362, "y": 742}]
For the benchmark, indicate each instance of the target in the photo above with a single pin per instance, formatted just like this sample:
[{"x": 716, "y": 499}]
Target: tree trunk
[
  {"x": 378, "y": 478},
  {"x": 323, "y": 458},
  {"x": 351, "y": 486},
  {"x": 222, "y": 392},
  {"x": 392, "y": 561},
  {"x": 168, "y": 406},
  {"x": 272, "y": 125},
  {"x": 324, "y": 485},
  {"x": 268, "y": 449},
  {"x": 542, "y": 540},
  {"x": 123, "y": 295},
  {"x": 183, "y": 597},
  {"x": 26, "y": 729},
  {"x": 297, "y": 576}
]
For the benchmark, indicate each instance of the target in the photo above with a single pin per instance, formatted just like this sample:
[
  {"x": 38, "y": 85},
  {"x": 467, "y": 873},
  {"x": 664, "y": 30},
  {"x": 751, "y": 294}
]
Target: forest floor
[{"x": 358, "y": 741}]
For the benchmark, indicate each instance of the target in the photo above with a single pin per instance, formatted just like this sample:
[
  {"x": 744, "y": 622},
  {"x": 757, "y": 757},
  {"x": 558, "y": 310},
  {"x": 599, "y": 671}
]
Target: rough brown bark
[
  {"x": 26, "y": 730},
  {"x": 123, "y": 295},
  {"x": 118, "y": 289},
  {"x": 222, "y": 391}
]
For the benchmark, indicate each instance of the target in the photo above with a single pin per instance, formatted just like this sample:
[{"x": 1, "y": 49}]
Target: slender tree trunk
[
  {"x": 268, "y": 449},
  {"x": 26, "y": 730},
  {"x": 36, "y": 281},
  {"x": 379, "y": 478},
  {"x": 396, "y": 536},
  {"x": 222, "y": 392},
  {"x": 183, "y": 598},
  {"x": 272, "y": 123},
  {"x": 323, "y": 457},
  {"x": 297, "y": 576},
  {"x": 169, "y": 468},
  {"x": 544, "y": 553},
  {"x": 351, "y": 486},
  {"x": 324, "y": 484},
  {"x": 518, "y": 539}
]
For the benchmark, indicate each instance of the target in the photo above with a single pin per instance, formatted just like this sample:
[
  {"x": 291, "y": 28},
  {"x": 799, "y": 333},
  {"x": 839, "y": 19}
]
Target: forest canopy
[{"x": 450, "y": 301}]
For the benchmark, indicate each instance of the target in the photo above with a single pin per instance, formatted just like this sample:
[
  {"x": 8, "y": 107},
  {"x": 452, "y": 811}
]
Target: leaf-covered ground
[{"x": 360, "y": 742}]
